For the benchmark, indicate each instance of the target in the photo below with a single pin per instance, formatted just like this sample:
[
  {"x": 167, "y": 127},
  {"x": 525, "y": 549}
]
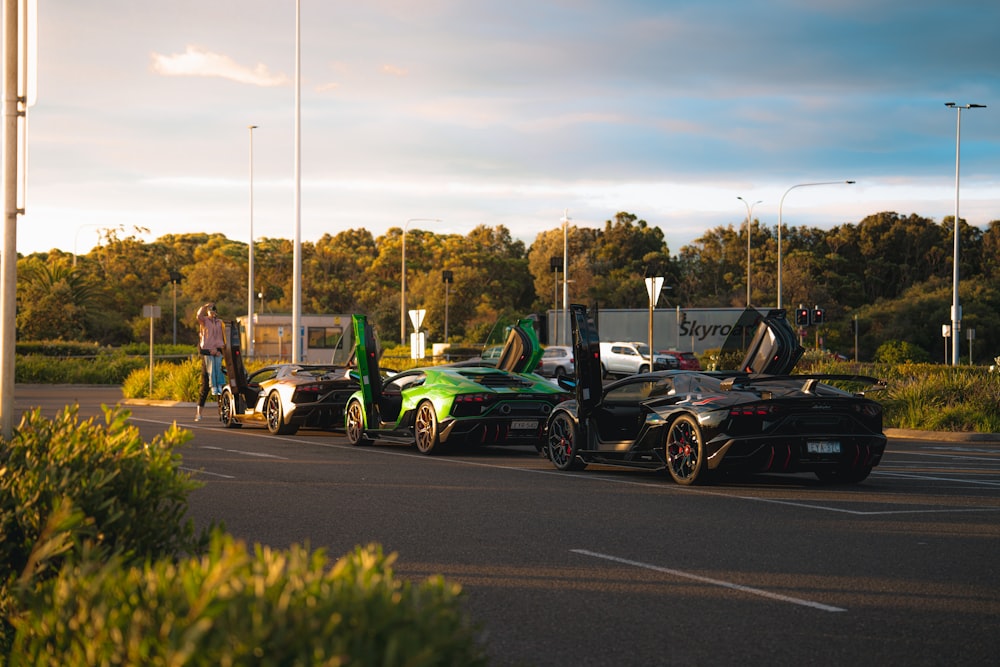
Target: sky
[{"x": 448, "y": 114}]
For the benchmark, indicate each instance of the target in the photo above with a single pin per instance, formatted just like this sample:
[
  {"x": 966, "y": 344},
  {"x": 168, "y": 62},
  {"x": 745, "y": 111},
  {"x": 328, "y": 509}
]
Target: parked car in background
[
  {"x": 697, "y": 424},
  {"x": 686, "y": 361},
  {"x": 624, "y": 358},
  {"x": 557, "y": 361},
  {"x": 439, "y": 407}
]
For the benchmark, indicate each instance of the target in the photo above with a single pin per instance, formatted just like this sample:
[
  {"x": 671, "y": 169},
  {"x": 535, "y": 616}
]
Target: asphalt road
[{"x": 611, "y": 567}]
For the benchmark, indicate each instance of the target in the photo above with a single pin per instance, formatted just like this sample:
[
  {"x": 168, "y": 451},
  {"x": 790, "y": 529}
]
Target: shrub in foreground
[
  {"x": 98, "y": 565},
  {"x": 234, "y": 606}
]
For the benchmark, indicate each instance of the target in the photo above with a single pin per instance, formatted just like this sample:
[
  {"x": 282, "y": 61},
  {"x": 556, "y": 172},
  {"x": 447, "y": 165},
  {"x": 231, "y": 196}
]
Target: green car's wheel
[
  {"x": 275, "y": 416},
  {"x": 685, "y": 451},
  {"x": 227, "y": 408},
  {"x": 425, "y": 429},
  {"x": 563, "y": 443},
  {"x": 354, "y": 424}
]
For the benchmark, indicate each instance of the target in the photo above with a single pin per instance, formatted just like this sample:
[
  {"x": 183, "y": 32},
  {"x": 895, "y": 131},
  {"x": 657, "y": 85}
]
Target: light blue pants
[{"x": 216, "y": 377}]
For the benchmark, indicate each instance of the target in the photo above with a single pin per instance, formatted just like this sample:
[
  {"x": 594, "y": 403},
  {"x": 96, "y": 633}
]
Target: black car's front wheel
[
  {"x": 425, "y": 429},
  {"x": 562, "y": 443},
  {"x": 354, "y": 424},
  {"x": 685, "y": 451}
]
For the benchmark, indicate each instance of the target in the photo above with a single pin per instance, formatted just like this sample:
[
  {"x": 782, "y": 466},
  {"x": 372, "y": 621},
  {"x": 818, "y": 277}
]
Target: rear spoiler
[{"x": 809, "y": 381}]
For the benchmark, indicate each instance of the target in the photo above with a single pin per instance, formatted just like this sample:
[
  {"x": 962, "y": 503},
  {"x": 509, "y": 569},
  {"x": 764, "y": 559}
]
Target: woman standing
[{"x": 211, "y": 341}]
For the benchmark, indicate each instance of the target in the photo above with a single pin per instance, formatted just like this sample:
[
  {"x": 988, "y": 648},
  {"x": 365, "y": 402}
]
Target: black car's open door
[
  {"x": 774, "y": 348},
  {"x": 236, "y": 372},
  {"x": 366, "y": 357},
  {"x": 587, "y": 353},
  {"x": 522, "y": 351}
]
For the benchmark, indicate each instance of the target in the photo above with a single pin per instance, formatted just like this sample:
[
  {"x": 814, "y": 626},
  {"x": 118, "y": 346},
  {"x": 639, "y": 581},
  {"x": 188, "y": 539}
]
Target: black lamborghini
[{"x": 697, "y": 424}]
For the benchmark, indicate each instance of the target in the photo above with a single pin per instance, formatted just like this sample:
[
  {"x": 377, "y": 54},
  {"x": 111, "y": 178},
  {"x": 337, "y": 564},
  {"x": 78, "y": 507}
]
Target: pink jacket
[{"x": 211, "y": 334}]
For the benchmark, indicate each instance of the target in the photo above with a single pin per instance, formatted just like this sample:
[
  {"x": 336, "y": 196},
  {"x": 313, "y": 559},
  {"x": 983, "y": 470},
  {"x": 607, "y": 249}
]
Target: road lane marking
[
  {"x": 714, "y": 582},
  {"x": 245, "y": 453},
  {"x": 205, "y": 472}
]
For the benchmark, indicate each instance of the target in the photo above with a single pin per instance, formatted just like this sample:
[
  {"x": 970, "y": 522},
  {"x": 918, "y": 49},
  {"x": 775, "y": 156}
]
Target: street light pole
[
  {"x": 250, "y": 290},
  {"x": 749, "y": 221},
  {"x": 402, "y": 280},
  {"x": 565, "y": 314},
  {"x": 956, "y": 308},
  {"x": 780, "y": 205}
]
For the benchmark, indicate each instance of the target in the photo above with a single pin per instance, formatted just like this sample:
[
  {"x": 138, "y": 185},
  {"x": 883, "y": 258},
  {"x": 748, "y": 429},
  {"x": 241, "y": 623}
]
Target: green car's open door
[
  {"x": 366, "y": 357},
  {"x": 522, "y": 351}
]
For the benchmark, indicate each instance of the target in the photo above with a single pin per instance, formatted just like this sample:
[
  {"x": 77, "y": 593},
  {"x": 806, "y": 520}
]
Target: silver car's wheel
[
  {"x": 354, "y": 424},
  {"x": 425, "y": 429},
  {"x": 685, "y": 451},
  {"x": 274, "y": 414},
  {"x": 563, "y": 442}
]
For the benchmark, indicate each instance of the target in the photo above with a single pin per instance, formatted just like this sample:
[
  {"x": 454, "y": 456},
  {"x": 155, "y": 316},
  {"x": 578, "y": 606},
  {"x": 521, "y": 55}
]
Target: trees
[{"x": 891, "y": 271}]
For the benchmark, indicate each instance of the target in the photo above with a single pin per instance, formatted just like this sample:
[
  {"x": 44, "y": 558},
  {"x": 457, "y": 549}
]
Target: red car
[{"x": 687, "y": 361}]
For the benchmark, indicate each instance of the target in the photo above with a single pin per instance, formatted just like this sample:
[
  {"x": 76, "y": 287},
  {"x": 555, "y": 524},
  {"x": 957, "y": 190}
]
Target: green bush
[
  {"x": 171, "y": 381},
  {"x": 900, "y": 352},
  {"x": 105, "y": 368},
  {"x": 67, "y": 483},
  {"x": 234, "y": 607},
  {"x": 98, "y": 565}
]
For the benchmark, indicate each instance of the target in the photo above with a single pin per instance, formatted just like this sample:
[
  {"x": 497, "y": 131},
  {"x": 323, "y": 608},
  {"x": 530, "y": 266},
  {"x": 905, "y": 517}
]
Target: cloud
[{"x": 197, "y": 62}]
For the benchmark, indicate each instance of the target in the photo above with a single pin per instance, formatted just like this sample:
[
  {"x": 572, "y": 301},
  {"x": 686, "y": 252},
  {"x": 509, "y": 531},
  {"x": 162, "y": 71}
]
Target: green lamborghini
[{"x": 442, "y": 406}]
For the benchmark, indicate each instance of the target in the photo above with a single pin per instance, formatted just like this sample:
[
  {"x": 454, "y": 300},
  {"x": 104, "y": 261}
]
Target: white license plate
[
  {"x": 524, "y": 425},
  {"x": 823, "y": 447}
]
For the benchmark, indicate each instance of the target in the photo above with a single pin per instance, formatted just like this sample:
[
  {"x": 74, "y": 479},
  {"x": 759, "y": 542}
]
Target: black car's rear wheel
[
  {"x": 563, "y": 442},
  {"x": 685, "y": 451},
  {"x": 354, "y": 424},
  {"x": 227, "y": 408},
  {"x": 425, "y": 429},
  {"x": 274, "y": 414}
]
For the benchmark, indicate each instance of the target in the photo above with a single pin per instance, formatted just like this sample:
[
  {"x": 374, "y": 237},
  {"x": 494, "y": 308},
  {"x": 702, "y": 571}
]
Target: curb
[{"x": 948, "y": 436}]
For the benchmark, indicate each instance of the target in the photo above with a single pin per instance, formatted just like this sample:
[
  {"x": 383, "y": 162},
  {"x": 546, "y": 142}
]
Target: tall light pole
[
  {"x": 565, "y": 314},
  {"x": 956, "y": 309},
  {"x": 250, "y": 290},
  {"x": 402, "y": 280},
  {"x": 297, "y": 247},
  {"x": 780, "y": 205},
  {"x": 749, "y": 221}
]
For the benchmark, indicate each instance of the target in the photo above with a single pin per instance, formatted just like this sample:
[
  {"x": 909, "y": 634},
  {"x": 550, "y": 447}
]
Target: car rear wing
[{"x": 809, "y": 382}]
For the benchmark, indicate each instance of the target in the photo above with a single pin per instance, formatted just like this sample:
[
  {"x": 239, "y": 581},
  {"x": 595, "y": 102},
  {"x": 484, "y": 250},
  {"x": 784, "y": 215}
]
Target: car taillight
[
  {"x": 868, "y": 409},
  {"x": 473, "y": 399},
  {"x": 754, "y": 410}
]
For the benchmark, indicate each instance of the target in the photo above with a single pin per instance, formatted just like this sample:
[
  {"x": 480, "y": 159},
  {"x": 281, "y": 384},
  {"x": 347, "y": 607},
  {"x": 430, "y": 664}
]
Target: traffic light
[
  {"x": 802, "y": 317},
  {"x": 818, "y": 315}
]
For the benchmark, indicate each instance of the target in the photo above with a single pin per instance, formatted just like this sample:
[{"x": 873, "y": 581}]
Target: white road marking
[{"x": 714, "y": 582}]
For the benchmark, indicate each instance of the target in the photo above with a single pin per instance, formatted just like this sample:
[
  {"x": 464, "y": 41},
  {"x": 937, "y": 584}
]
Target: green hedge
[
  {"x": 237, "y": 607},
  {"x": 99, "y": 565}
]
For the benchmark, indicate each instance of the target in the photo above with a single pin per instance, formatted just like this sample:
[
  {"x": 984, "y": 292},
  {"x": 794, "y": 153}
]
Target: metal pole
[
  {"x": 8, "y": 273},
  {"x": 250, "y": 290},
  {"x": 565, "y": 313},
  {"x": 780, "y": 205},
  {"x": 749, "y": 220},
  {"x": 402, "y": 280},
  {"x": 956, "y": 308},
  {"x": 297, "y": 250},
  {"x": 175, "y": 311}
]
